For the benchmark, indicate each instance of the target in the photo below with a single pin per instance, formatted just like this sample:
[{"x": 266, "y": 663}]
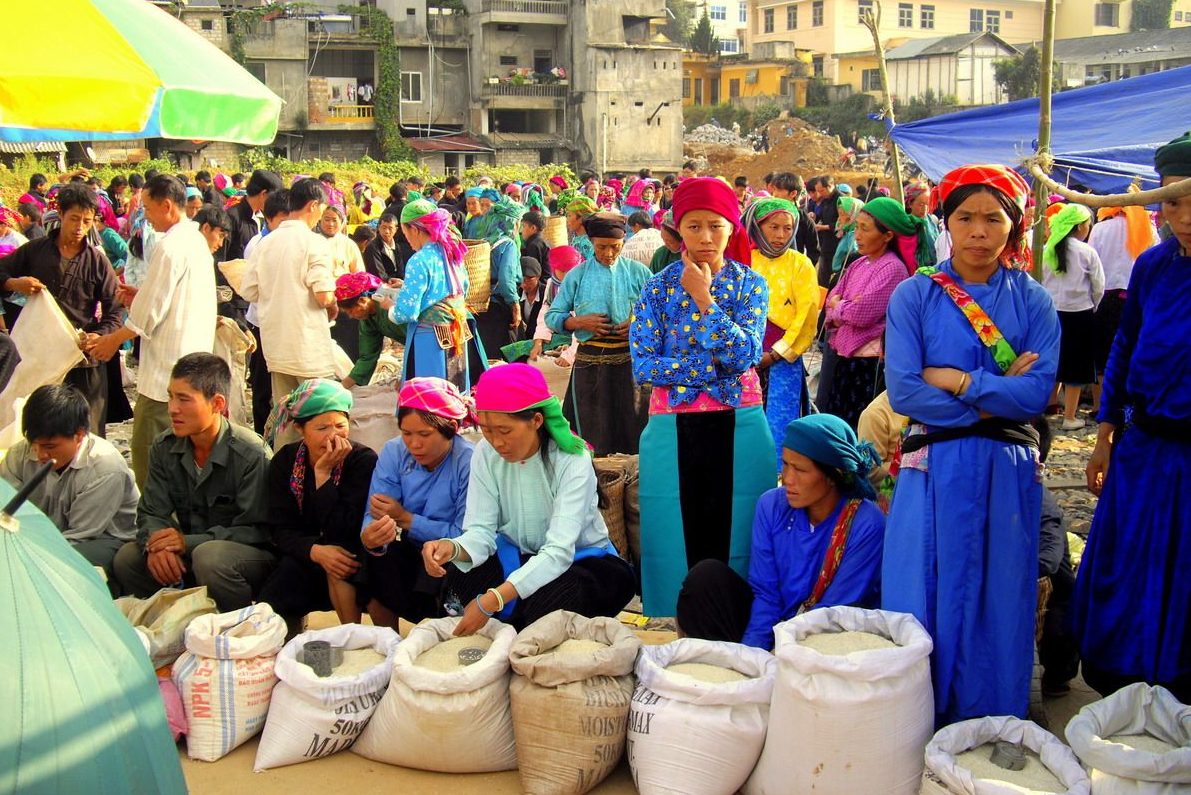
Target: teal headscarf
[
  {"x": 828, "y": 440},
  {"x": 311, "y": 398},
  {"x": 506, "y": 214},
  {"x": 892, "y": 214},
  {"x": 1061, "y": 224}
]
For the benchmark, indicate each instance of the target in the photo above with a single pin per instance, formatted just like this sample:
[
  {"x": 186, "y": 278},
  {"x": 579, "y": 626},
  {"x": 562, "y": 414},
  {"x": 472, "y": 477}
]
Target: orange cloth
[{"x": 1139, "y": 233}]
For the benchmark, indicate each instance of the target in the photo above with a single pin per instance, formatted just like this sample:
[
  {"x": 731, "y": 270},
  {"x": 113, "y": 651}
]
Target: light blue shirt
[
  {"x": 425, "y": 284},
  {"x": 436, "y": 498},
  {"x": 595, "y": 288}
]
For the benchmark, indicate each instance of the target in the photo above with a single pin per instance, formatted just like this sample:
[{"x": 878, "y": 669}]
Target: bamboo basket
[
  {"x": 555, "y": 233},
  {"x": 612, "y": 485},
  {"x": 479, "y": 274},
  {"x": 618, "y": 475}
]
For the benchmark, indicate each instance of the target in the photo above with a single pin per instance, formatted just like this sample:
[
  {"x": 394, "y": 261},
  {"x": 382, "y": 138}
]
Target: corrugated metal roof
[
  {"x": 448, "y": 143},
  {"x": 941, "y": 45},
  {"x": 1145, "y": 45},
  {"x": 31, "y": 147}
]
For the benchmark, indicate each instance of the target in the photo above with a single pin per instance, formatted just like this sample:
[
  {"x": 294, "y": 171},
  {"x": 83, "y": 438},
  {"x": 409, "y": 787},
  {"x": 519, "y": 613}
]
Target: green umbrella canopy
[{"x": 83, "y": 713}]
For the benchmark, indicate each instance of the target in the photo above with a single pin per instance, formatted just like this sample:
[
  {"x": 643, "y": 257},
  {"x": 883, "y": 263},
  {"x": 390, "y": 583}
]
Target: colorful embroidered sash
[
  {"x": 986, "y": 331},
  {"x": 834, "y": 556},
  {"x": 297, "y": 476}
]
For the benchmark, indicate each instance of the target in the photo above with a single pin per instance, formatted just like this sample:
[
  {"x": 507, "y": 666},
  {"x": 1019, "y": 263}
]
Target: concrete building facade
[{"x": 961, "y": 67}]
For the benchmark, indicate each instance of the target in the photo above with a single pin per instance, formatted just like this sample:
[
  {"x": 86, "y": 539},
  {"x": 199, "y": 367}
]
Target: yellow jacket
[{"x": 794, "y": 300}]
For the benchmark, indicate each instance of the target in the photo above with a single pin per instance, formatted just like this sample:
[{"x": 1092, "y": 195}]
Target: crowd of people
[{"x": 693, "y": 316}]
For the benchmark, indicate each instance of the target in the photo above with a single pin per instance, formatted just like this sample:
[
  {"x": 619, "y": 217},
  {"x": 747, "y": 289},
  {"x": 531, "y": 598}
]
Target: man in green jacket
[{"x": 201, "y": 517}]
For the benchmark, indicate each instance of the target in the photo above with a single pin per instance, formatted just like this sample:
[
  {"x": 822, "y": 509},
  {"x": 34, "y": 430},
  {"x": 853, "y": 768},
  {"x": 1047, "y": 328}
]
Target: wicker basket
[
  {"x": 479, "y": 274},
  {"x": 555, "y": 233},
  {"x": 618, "y": 475},
  {"x": 612, "y": 485},
  {"x": 1045, "y": 588}
]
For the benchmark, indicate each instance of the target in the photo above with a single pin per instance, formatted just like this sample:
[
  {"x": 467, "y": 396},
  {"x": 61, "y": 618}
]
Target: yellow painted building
[
  {"x": 711, "y": 81},
  {"x": 1078, "y": 18}
]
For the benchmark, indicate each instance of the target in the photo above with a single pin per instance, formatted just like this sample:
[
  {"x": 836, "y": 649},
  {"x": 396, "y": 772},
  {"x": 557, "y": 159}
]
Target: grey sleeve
[{"x": 1053, "y": 535}]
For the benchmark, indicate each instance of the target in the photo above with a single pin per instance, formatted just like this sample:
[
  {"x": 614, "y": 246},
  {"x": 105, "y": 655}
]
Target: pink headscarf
[
  {"x": 438, "y": 224},
  {"x": 559, "y": 181},
  {"x": 351, "y": 285},
  {"x": 607, "y": 200},
  {"x": 564, "y": 258},
  {"x": 10, "y": 217},
  {"x": 510, "y": 388},
  {"x": 709, "y": 193},
  {"x": 634, "y": 199},
  {"x": 435, "y": 396}
]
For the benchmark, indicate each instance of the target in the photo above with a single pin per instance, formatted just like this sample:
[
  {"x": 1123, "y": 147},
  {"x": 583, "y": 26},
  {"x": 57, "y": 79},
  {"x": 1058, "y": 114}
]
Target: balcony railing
[
  {"x": 547, "y": 91},
  {"x": 550, "y": 7},
  {"x": 351, "y": 114}
]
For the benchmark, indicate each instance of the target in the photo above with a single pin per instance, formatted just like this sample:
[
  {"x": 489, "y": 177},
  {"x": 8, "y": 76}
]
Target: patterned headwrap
[
  {"x": 910, "y": 235},
  {"x": 559, "y": 182},
  {"x": 1174, "y": 159},
  {"x": 709, "y": 193},
  {"x": 1139, "y": 232},
  {"x": 437, "y": 223},
  {"x": 512, "y": 187},
  {"x": 221, "y": 182},
  {"x": 634, "y": 198},
  {"x": 1002, "y": 179},
  {"x": 435, "y": 396},
  {"x": 311, "y": 398},
  {"x": 582, "y": 206},
  {"x": 10, "y": 217},
  {"x": 757, "y": 212},
  {"x": 616, "y": 185},
  {"x": 828, "y": 440},
  {"x": 520, "y": 387},
  {"x": 665, "y": 218},
  {"x": 506, "y": 214},
  {"x": 913, "y": 190},
  {"x": 534, "y": 197},
  {"x": 1061, "y": 224},
  {"x": 850, "y": 205},
  {"x": 607, "y": 200},
  {"x": 491, "y": 194},
  {"x": 353, "y": 285}
]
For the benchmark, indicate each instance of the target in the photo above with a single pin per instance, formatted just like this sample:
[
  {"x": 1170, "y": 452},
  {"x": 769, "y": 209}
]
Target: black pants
[
  {"x": 715, "y": 603},
  {"x": 398, "y": 580},
  {"x": 297, "y": 587},
  {"x": 93, "y": 383},
  {"x": 591, "y": 587},
  {"x": 262, "y": 384},
  {"x": 1106, "y": 683},
  {"x": 1059, "y": 649}
]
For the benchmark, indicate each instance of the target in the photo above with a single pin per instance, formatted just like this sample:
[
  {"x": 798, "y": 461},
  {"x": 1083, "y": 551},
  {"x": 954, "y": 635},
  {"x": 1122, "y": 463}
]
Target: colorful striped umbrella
[{"x": 128, "y": 70}]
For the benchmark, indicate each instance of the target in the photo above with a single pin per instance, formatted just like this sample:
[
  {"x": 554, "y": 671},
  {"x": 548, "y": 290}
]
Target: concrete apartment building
[
  {"x": 729, "y": 22},
  {"x": 495, "y": 81}
]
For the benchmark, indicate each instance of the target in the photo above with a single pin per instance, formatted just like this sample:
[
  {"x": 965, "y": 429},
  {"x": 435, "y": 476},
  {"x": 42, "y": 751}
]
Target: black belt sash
[
  {"x": 1162, "y": 427},
  {"x": 995, "y": 428}
]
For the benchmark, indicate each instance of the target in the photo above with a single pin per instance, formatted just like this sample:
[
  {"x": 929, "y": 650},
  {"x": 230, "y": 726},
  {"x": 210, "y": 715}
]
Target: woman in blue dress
[
  {"x": 972, "y": 351},
  {"x": 1133, "y": 592}
]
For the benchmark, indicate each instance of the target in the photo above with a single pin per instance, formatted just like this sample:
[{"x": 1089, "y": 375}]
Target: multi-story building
[
  {"x": 1083, "y": 18},
  {"x": 729, "y": 22}
]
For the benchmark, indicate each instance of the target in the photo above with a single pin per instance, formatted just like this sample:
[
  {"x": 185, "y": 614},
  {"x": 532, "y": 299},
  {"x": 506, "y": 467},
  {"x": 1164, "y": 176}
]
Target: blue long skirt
[
  {"x": 425, "y": 358},
  {"x": 961, "y": 555},
  {"x": 784, "y": 400}
]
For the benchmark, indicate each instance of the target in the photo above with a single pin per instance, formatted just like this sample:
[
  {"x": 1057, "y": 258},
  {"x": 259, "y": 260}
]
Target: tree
[
  {"x": 680, "y": 18},
  {"x": 1019, "y": 75},
  {"x": 1151, "y": 15},
  {"x": 703, "y": 40}
]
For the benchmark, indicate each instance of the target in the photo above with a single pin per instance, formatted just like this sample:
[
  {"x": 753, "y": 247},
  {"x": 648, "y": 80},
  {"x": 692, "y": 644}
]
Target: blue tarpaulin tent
[{"x": 1101, "y": 136}]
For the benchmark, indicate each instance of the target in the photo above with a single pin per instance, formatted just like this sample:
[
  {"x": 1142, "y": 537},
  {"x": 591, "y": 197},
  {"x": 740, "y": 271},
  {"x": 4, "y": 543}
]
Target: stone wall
[
  {"x": 347, "y": 145},
  {"x": 517, "y": 157}
]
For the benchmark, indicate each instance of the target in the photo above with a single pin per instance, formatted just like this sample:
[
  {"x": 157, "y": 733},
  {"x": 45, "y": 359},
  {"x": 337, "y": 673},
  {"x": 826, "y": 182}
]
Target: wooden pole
[
  {"x": 1045, "y": 84},
  {"x": 872, "y": 21}
]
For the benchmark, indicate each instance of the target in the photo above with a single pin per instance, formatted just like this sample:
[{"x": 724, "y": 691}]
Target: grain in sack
[
  {"x": 163, "y": 618},
  {"x": 958, "y": 761},
  {"x": 453, "y": 721},
  {"x": 570, "y": 693},
  {"x": 694, "y": 737},
  {"x": 312, "y": 716},
  {"x": 1136, "y": 741},
  {"x": 850, "y": 718},
  {"x": 226, "y": 677}
]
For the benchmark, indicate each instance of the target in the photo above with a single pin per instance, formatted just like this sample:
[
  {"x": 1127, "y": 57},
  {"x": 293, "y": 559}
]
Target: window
[
  {"x": 734, "y": 88},
  {"x": 1108, "y": 15},
  {"x": 768, "y": 17},
  {"x": 992, "y": 21},
  {"x": 686, "y": 88},
  {"x": 927, "y": 17},
  {"x": 817, "y": 66},
  {"x": 698, "y": 91},
  {"x": 411, "y": 86},
  {"x": 744, "y": 13},
  {"x": 817, "y": 14},
  {"x": 870, "y": 80},
  {"x": 863, "y": 7},
  {"x": 508, "y": 60},
  {"x": 207, "y": 24},
  {"x": 718, "y": 13},
  {"x": 905, "y": 15},
  {"x": 791, "y": 17},
  {"x": 730, "y": 45},
  {"x": 1008, "y": 15},
  {"x": 256, "y": 69},
  {"x": 976, "y": 20},
  {"x": 1178, "y": 16}
]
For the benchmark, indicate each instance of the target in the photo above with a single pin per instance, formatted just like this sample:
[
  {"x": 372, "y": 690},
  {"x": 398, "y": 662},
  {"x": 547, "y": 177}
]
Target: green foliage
[
  {"x": 244, "y": 18},
  {"x": 844, "y": 118},
  {"x": 1021, "y": 75},
  {"x": 679, "y": 21},
  {"x": 923, "y": 107},
  {"x": 697, "y": 115},
  {"x": 816, "y": 92},
  {"x": 375, "y": 24},
  {"x": 1151, "y": 15},
  {"x": 703, "y": 39},
  {"x": 766, "y": 113},
  {"x": 538, "y": 174}
]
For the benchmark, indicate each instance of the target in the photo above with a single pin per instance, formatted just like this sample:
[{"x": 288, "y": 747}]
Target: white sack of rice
[
  {"x": 1142, "y": 742},
  {"x": 713, "y": 674},
  {"x": 1033, "y": 778},
  {"x": 841, "y": 643},
  {"x": 578, "y": 646},
  {"x": 357, "y": 661},
  {"x": 444, "y": 657}
]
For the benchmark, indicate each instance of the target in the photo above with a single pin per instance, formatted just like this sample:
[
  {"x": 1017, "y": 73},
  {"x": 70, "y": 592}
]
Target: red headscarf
[
  {"x": 1002, "y": 179},
  {"x": 564, "y": 258},
  {"x": 709, "y": 193}
]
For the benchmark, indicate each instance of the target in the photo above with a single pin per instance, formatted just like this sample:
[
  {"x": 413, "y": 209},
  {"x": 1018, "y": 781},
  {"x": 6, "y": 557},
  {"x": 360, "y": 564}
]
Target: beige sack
[
  {"x": 163, "y": 619},
  {"x": 570, "y": 711},
  {"x": 233, "y": 344}
]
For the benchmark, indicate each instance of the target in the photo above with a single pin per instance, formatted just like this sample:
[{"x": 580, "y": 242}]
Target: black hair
[
  {"x": 389, "y": 218},
  {"x": 535, "y": 218},
  {"x": 444, "y": 425},
  {"x": 827, "y": 181},
  {"x": 891, "y": 246},
  {"x": 300, "y": 422},
  {"x": 640, "y": 219},
  {"x": 118, "y": 181},
  {"x": 135, "y": 180},
  {"x": 1045, "y": 436},
  {"x": 741, "y": 181},
  {"x": 55, "y": 410},
  {"x": 36, "y": 181},
  {"x": 363, "y": 234},
  {"x": 813, "y": 183},
  {"x": 205, "y": 372},
  {"x": 1061, "y": 252},
  {"x": 452, "y": 181},
  {"x": 305, "y": 191},
  {"x": 788, "y": 181},
  {"x": 768, "y": 178},
  {"x": 237, "y": 177},
  {"x": 415, "y": 180},
  {"x": 163, "y": 187},
  {"x": 645, "y": 173},
  {"x": 327, "y": 176},
  {"x": 150, "y": 173},
  {"x": 213, "y": 217},
  {"x": 76, "y": 195},
  {"x": 276, "y": 203},
  {"x": 964, "y": 192},
  {"x": 204, "y": 175},
  {"x": 544, "y": 437},
  {"x": 397, "y": 193},
  {"x": 185, "y": 180},
  {"x": 30, "y": 211},
  {"x": 691, "y": 165}
]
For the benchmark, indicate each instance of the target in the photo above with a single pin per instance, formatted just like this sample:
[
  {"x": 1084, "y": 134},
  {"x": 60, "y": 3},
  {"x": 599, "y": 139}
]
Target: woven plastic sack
[
  {"x": 226, "y": 677},
  {"x": 312, "y": 716},
  {"x": 945, "y": 775},
  {"x": 449, "y": 722},
  {"x": 688, "y": 737},
  {"x": 163, "y": 618},
  {"x": 373, "y": 419},
  {"x": 1117, "y": 769},
  {"x": 846, "y": 724},
  {"x": 570, "y": 711}
]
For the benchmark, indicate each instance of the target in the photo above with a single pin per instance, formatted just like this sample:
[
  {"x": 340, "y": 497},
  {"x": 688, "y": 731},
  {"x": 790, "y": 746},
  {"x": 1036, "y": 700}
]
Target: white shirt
[
  {"x": 174, "y": 311},
  {"x": 1109, "y": 239},
  {"x": 643, "y": 245},
  {"x": 284, "y": 272},
  {"x": 345, "y": 255},
  {"x": 943, "y": 246},
  {"x": 1081, "y": 286}
]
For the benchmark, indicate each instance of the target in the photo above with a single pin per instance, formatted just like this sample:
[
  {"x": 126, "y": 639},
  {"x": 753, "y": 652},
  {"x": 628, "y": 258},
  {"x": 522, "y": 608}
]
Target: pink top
[
  {"x": 750, "y": 395},
  {"x": 864, "y": 292}
]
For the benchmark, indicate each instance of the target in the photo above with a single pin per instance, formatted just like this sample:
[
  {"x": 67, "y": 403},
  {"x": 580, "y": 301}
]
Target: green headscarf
[
  {"x": 417, "y": 209},
  {"x": 414, "y": 196},
  {"x": 311, "y": 398},
  {"x": 505, "y": 214},
  {"x": 892, "y": 214},
  {"x": 1174, "y": 159},
  {"x": 851, "y": 205},
  {"x": 757, "y": 212},
  {"x": 1061, "y": 224},
  {"x": 582, "y": 205}
]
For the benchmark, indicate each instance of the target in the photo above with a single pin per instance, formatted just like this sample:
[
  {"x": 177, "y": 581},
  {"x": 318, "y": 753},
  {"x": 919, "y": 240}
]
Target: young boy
[
  {"x": 532, "y": 242},
  {"x": 201, "y": 518},
  {"x": 90, "y": 494}
]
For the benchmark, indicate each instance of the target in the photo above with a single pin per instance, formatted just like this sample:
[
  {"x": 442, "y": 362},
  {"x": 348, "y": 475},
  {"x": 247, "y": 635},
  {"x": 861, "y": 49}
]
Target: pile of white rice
[
  {"x": 841, "y": 643},
  {"x": 578, "y": 646},
  {"x": 357, "y": 661},
  {"x": 1035, "y": 777},
  {"x": 444, "y": 657},
  {"x": 1142, "y": 742},
  {"x": 713, "y": 674}
]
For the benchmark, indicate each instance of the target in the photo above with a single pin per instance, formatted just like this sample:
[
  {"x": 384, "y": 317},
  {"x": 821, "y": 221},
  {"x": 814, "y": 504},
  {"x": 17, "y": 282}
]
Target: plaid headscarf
[
  {"x": 311, "y": 398},
  {"x": 10, "y": 217},
  {"x": 581, "y": 205},
  {"x": 1002, "y": 179},
  {"x": 435, "y": 396},
  {"x": 352, "y": 285}
]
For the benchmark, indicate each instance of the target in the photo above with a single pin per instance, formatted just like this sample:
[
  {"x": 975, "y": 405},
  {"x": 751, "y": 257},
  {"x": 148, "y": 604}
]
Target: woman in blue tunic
[
  {"x": 1133, "y": 592},
  {"x": 972, "y": 351}
]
